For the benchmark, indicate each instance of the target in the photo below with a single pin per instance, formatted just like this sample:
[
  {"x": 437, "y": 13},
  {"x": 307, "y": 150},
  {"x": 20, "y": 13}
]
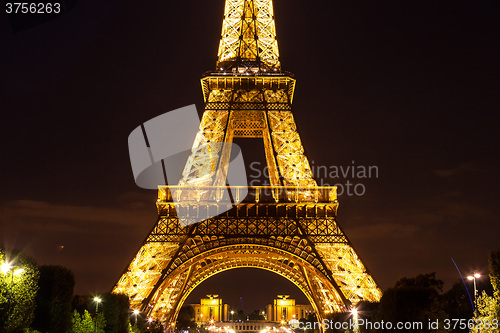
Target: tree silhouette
[
  {"x": 53, "y": 300},
  {"x": 18, "y": 288}
]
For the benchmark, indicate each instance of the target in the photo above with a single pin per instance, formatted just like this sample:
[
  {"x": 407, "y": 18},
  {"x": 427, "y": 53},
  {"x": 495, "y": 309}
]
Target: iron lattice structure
[{"x": 289, "y": 228}]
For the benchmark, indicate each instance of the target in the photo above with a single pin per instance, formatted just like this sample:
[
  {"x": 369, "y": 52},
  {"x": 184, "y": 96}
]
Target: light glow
[{"x": 6, "y": 267}]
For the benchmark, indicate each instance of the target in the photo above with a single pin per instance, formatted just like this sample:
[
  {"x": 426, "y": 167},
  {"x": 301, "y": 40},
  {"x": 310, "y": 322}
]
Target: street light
[
  {"x": 232, "y": 315},
  {"x": 473, "y": 278},
  {"x": 97, "y": 300},
  {"x": 136, "y": 312},
  {"x": 354, "y": 313},
  {"x": 6, "y": 268}
]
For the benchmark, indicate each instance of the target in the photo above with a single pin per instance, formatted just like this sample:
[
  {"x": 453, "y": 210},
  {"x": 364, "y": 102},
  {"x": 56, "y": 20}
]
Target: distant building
[
  {"x": 285, "y": 309},
  {"x": 248, "y": 326},
  {"x": 210, "y": 310}
]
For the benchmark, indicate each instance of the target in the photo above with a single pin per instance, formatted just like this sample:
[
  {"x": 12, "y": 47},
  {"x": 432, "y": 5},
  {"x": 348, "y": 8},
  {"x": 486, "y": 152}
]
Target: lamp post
[
  {"x": 136, "y": 312},
  {"x": 232, "y": 315},
  {"x": 473, "y": 278},
  {"x": 9, "y": 268},
  {"x": 354, "y": 313},
  {"x": 97, "y": 300}
]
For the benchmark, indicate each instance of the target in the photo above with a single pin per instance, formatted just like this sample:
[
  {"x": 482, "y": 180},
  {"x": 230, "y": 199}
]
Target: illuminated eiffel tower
[{"x": 288, "y": 228}]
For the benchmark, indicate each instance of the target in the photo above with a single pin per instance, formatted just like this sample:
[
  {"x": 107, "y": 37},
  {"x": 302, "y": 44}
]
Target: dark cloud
[
  {"x": 89, "y": 240},
  {"x": 459, "y": 170}
]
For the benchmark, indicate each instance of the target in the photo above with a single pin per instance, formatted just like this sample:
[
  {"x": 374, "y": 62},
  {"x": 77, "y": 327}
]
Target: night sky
[{"x": 411, "y": 87}]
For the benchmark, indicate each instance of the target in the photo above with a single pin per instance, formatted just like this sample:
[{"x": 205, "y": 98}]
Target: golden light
[
  {"x": 477, "y": 275},
  {"x": 6, "y": 267},
  {"x": 136, "y": 312},
  {"x": 97, "y": 299},
  {"x": 470, "y": 277},
  {"x": 256, "y": 45},
  {"x": 19, "y": 271}
]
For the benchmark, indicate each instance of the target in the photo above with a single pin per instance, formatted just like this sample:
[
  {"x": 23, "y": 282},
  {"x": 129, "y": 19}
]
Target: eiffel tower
[{"x": 289, "y": 228}]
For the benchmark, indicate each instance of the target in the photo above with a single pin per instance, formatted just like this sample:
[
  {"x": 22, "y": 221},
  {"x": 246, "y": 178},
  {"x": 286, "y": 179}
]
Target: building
[
  {"x": 249, "y": 326},
  {"x": 285, "y": 309},
  {"x": 210, "y": 310}
]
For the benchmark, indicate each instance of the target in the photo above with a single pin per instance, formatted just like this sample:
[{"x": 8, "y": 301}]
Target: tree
[
  {"x": 18, "y": 287},
  {"x": 84, "y": 323},
  {"x": 81, "y": 323},
  {"x": 366, "y": 311},
  {"x": 133, "y": 329},
  {"x": 339, "y": 318},
  {"x": 115, "y": 308},
  {"x": 412, "y": 300},
  {"x": 101, "y": 322},
  {"x": 456, "y": 303},
  {"x": 495, "y": 279},
  {"x": 185, "y": 319},
  {"x": 486, "y": 307},
  {"x": 256, "y": 315},
  {"x": 139, "y": 324},
  {"x": 426, "y": 281},
  {"x": 81, "y": 303},
  {"x": 53, "y": 300},
  {"x": 240, "y": 315}
]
